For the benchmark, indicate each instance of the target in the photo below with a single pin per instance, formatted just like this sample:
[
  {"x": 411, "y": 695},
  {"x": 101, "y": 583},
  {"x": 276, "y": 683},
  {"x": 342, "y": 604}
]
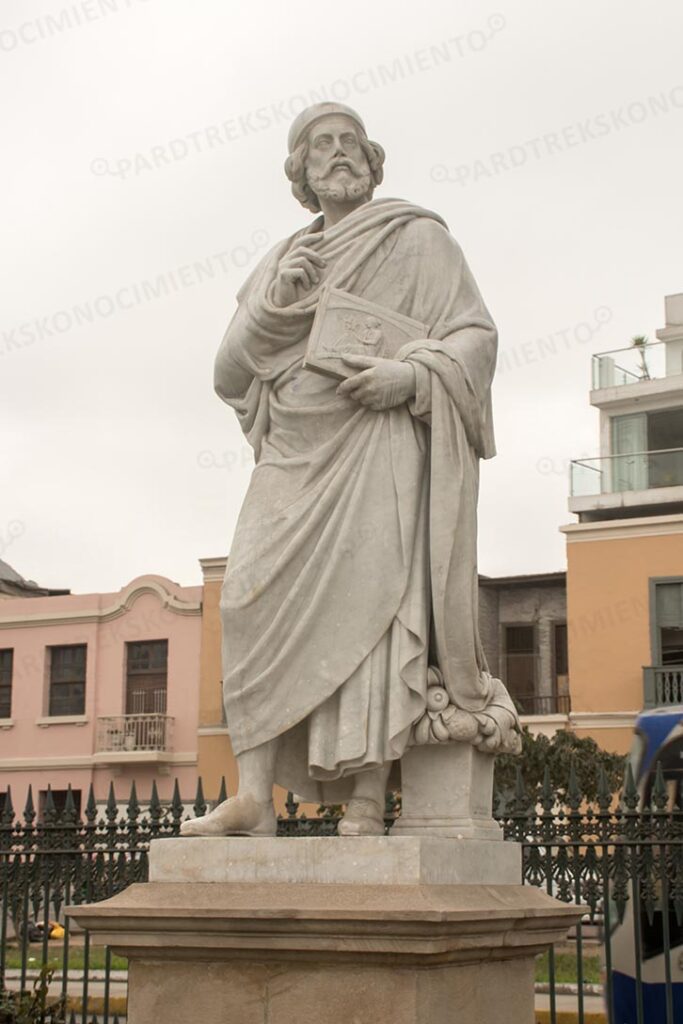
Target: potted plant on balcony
[
  {"x": 129, "y": 739},
  {"x": 640, "y": 342}
]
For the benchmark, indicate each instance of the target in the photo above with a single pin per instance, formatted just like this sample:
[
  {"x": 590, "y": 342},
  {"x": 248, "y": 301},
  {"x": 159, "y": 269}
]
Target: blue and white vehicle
[{"x": 658, "y": 739}]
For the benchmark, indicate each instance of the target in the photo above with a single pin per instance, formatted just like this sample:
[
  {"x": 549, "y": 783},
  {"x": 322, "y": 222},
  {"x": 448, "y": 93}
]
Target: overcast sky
[{"x": 142, "y": 178}]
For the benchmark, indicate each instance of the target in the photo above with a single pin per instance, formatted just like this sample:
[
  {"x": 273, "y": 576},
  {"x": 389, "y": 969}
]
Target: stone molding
[
  {"x": 603, "y": 719},
  {"x": 419, "y": 924},
  {"x": 45, "y": 721},
  {"x": 22, "y": 764},
  {"x": 213, "y": 569},
  {"x": 581, "y": 720},
  {"x": 160, "y": 587},
  {"x": 559, "y": 721},
  {"x": 621, "y": 529}
]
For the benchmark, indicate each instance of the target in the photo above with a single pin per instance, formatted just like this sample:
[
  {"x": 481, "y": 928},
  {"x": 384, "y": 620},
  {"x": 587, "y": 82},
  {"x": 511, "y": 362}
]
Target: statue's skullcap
[{"x": 303, "y": 121}]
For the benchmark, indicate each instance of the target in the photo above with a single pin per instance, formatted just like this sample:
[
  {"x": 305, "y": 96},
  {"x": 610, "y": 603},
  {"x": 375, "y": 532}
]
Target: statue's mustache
[
  {"x": 347, "y": 164},
  {"x": 339, "y": 188}
]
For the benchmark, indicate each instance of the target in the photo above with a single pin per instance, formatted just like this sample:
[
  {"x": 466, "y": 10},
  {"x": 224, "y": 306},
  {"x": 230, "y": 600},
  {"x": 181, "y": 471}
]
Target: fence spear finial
[
  {"x": 133, "y": 808},
  {"x": 630, "y": 794},
  {"x": 199, "y": 801},
  {"x": 8, "y": 809},
  {"x": 177, "y": 807},
  {"x": 29, "y": 809},
  {"x": 660, "y": 797},
  {"x": 112, "y": 808}
]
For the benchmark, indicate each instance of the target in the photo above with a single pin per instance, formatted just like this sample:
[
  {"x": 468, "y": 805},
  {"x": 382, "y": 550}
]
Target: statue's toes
[{"x": 193, "y": 827}]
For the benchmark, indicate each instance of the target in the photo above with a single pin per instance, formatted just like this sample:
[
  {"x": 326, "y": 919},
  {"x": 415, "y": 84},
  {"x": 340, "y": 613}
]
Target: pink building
[{"x": 96, "y": 688}]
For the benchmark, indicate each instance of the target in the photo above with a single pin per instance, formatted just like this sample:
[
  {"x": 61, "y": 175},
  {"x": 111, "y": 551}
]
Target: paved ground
[{"x": 593, "y": 1006}]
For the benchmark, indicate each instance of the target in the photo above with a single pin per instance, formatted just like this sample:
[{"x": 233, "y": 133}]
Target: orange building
[
  {"x": 625, "y": 554},
  {"x": 215, "y": 759}
]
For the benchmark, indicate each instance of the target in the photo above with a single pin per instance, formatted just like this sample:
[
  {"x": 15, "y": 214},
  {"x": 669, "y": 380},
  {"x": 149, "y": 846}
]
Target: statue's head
[{"x": 330, "y": 156}]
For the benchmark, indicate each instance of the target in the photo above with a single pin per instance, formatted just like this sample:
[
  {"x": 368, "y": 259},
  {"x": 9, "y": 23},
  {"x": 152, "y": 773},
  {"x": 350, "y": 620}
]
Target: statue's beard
[{"x": 340, "y": 190}]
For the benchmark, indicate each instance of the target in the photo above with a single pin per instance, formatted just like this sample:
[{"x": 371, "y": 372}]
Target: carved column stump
[{"x": 341, "y": 931}]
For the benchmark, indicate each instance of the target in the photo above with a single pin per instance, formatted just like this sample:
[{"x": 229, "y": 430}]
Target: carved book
[{"x": 347, "y": 325}]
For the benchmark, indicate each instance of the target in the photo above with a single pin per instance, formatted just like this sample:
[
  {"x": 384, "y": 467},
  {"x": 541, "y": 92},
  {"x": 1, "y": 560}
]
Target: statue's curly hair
[{"x": 295, "y": 169}]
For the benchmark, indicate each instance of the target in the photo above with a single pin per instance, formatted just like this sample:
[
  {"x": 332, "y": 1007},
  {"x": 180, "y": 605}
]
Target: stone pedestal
[{"x": 378, "y": 930}]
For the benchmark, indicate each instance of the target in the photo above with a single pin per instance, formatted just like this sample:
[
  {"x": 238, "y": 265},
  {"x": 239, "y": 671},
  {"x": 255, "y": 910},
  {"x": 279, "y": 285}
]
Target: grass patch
[
  {"x": 55, "y": 958},
  {"x": 566, "y": 965}
]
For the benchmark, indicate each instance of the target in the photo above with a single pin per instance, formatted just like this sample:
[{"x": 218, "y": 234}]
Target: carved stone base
[
  {"x": 447, "y": 790},
  {"x": 394, "y": 951}
]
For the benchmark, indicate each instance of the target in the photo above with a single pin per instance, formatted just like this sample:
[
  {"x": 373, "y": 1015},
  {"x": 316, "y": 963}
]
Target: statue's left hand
[{"x": 382, "y": 384}]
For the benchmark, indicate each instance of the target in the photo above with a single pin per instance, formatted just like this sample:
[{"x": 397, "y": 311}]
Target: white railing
[{"x": 122, "y": 733}]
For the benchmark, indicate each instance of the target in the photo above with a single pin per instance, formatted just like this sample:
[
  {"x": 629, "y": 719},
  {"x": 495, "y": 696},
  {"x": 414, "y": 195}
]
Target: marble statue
[{"x": 349, "y": 607}]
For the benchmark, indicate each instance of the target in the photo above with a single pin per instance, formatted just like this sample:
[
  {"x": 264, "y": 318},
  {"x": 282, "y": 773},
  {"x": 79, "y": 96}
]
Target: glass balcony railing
[
  {"x": 636, "y": 471},
  {"x": 631, "y": 365}
]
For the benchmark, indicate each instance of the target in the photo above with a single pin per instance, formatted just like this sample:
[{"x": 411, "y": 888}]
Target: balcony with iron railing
[
  {"x": 631, "y": 480},
  {"x": 542, "y": 704},
  {"x": 662, "y": 685},
  {"x": 140, "y": 738}
]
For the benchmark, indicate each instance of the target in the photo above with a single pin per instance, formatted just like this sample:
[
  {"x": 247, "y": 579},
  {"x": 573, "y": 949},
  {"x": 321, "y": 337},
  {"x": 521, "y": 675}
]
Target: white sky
[{"x": 117, "y": 458}]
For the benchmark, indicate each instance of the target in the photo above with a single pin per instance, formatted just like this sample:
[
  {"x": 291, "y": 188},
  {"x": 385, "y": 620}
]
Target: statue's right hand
[{"x": 298, "y": 270}]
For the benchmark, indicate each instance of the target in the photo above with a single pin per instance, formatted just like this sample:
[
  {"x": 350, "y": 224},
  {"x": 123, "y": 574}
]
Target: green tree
[{"x": 558, "y": 753}]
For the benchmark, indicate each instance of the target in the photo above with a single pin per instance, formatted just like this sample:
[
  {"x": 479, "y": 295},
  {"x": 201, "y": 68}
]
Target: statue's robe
[{"x": 354, "y": 557}]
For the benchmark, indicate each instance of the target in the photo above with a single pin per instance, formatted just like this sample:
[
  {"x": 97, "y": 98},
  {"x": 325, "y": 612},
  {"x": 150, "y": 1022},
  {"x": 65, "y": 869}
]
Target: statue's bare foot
[
  {"x": 364, "y": 817},
  {"x": 237, "y": 816}
]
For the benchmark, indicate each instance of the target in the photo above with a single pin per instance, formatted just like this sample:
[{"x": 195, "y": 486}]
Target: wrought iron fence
[{"x": 622, "y": 861}]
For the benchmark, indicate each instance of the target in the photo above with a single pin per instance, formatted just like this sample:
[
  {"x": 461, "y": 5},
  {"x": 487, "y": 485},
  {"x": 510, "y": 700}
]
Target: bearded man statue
[{"x": 349, "y": 607}]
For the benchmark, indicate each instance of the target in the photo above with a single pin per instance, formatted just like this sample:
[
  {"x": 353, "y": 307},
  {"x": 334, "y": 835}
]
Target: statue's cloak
[{"x": 354, "y": 557}]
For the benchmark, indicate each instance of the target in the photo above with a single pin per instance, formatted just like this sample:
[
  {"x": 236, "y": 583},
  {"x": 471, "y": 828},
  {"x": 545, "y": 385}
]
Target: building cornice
[
  {"x": 23, "y": 764},
  {"x": 123, "y": 604},
  {"x": 588, "y": 720},
  {"x": 621, "y": 529},
  {"x": 641, "y": 396},
  {"x": 213, "y": 568},
  {"x": 603, "y": 719}
]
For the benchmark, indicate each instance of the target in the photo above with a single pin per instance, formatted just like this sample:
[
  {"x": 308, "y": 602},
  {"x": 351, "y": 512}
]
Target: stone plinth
[
  {"x": 412, "y": 945},
  {"x": 366, "y": 860}
]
